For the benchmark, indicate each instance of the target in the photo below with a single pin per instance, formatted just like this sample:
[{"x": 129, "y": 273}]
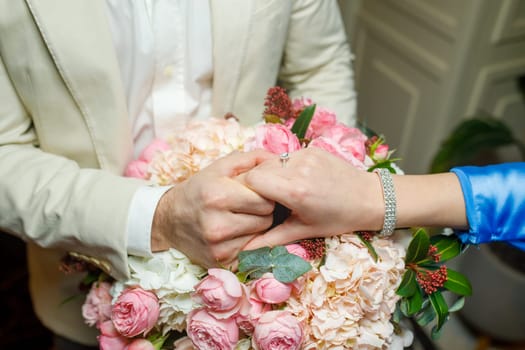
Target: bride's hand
[{"x": 327, "y": 196}]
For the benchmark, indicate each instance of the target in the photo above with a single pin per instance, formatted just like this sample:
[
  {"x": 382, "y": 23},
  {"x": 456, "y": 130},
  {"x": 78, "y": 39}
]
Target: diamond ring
[{"x": 284, "y": 157}]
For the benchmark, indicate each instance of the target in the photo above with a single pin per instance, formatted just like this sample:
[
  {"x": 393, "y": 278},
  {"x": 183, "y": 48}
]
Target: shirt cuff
[{"x": 140, "y": 219}]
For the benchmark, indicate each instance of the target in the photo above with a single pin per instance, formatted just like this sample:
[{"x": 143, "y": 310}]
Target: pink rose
[
  {"x": 97, "y": 307},
  {"x": 221, "y": 292},
  {"x": 140, "y": 344},
  {"x": 297, "y": 249},
  {"x": 270, "y": 290},
  {"x": 135, "y": 312},
  {"x": 352, "y": 140},
  {"x": 275, "y": 138},
  {"x": 207, "y": 332},
  {"x": 337, "y": 150},
  {"x": 183, "y": 343},
  {"x": 381, "y": 152},
  {"x": 137, "y": 169},
  {"x": 251, "y": 310},
  {"x": 110, "y": 338},
  {"x": 322, "y": 120},
  {"x": 277, "y": 329},
  {"x": 156, "y": 146}
]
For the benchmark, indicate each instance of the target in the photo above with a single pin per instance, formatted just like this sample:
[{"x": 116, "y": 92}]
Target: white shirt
[{"x": 164, "y": 48}]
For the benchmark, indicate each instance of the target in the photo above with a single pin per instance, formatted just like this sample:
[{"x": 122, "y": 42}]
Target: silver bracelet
[{"x": 389, "y": 194}]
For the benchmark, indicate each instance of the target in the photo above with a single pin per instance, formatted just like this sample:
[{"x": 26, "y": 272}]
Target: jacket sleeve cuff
[{"x": 494, "y": 203}]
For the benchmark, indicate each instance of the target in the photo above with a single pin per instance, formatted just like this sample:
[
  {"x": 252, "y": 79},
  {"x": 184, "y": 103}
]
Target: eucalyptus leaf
[
  {"x": 258, "y": 260},
  {"x": 408, "y": 285},
  {"x": 403, "y": 307},
  {"x": 300, "y": 126},
  {"x": 418, "y": 247},
  {"x": 458, "y": 305},
  {"x": 435, "y": 334},
  {"x": 425, "y": 316},
  {"x": 287, "y": 268},
  {"x": 440, "y": 308},
  {"x": 457, "y": 283}
]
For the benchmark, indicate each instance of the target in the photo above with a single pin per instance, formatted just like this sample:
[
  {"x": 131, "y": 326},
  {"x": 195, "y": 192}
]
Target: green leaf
[
  {"x": 408, "y": 285},
  {"x": 370, "y": 247},
  {"x": 287, "y": 268},
  {"x": 457, "y": 283},
  {"x": 469, "y": 139},
  {"x": 403, "y": 307},
  {"x": 396, "y": 316},
  {"x": 300, "y": 126},
  {"x": 448, "y": 246},
  {"x": 255, "y": 261},
  {"x": 415, "y": 302},
  {"x": 440, "y": 308},
  {"x": 426, "y": 316},
  {"x": 418, "y": 247},
  {"x": 435, "y": 334},
  {"x": 458, "y": 305}
]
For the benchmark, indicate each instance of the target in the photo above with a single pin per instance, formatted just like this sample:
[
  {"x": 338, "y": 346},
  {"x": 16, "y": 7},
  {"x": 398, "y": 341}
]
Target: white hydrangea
[{"x": 171, "y": 276}]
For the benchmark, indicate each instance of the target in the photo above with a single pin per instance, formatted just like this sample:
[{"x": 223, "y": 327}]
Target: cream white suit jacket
[{"x": 64, "y": 130}]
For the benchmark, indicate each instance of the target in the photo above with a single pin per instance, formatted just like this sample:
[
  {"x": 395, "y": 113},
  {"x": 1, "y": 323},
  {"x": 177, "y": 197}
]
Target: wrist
[{"x": 162, "y": 223}]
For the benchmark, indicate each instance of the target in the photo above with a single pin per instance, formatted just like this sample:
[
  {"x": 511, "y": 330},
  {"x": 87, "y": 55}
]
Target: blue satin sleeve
[{"x": 494, "y": 202}]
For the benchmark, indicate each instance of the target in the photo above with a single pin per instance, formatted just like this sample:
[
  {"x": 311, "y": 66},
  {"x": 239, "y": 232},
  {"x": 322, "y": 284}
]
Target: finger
[
  {"x": 240, "y": 162},
  {"x": 233, "y": 226},
  {"x": 272, "y": 184},
  {"x": 227, "y": 252},
  {"x": 240, "y": 199},
  {"x": 289, "y": 231}
]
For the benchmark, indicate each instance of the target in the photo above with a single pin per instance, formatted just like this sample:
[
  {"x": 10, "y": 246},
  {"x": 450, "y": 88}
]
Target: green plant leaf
[
  {"x": 440, "y": 308},
  {"x": 300, "y": 126},
  {"x": 448, "y": 246},
  {"x": 415, "y": 302},
  {"x": 458, "y": 305},
  {"x": 469, "y": 138},
  {"x": 408, "y": 285},
  {"x": 370, "y": 247},
  {"x": 255, "y": 261},
  {"x": 425, "y": 316},
  {"x": 418, "y": 247},
  {"x": 435, "y": 334},
  {"x": 457, "y": 283},
  {"x": 403, "y": 307},
  {"x": 287, "y": 268}
]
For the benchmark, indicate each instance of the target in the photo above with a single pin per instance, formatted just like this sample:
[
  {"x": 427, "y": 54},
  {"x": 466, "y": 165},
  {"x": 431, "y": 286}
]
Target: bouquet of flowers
[{"x": 344, "y": 292}]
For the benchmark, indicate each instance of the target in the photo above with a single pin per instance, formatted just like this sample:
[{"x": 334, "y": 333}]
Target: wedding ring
[{"x": 284, "y": 158}]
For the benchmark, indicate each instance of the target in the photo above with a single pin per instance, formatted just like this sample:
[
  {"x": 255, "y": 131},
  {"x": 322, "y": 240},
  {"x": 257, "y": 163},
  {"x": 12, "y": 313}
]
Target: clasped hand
[{"x": 227, "y": 207}]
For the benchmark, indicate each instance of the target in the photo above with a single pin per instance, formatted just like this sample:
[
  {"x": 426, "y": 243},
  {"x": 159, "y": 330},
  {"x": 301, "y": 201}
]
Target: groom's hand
[{"x": 211, "y": 216}]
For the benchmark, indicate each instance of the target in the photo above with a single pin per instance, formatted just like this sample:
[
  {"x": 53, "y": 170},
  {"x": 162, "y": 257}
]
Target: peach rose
[
  {"x": 277, "y": 330},
  {"x": 135, "y": 312},
  {"x": 207, "y": 332}
]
